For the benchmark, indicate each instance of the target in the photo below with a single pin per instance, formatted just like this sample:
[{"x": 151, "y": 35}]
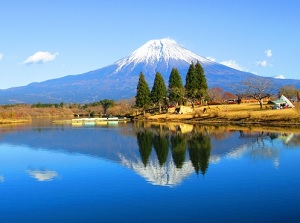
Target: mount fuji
[{"x": 119, "y": 80}]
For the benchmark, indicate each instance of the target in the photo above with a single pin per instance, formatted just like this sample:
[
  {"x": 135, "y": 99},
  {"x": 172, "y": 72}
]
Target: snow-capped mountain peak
[{"x": 161, "y": 50}]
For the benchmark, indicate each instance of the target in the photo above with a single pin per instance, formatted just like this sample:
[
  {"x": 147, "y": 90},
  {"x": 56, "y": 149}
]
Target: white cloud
[
  {"x": 40, "y": 57},
  {"x": 211, "y": 58},
  {"x": 1, "y": 56},
  {"x": 268, "y": 53},
  {"x": 280, "y": 77},
  {"x": 262, "y": 63},
  {"x": 233, "y": 64}
]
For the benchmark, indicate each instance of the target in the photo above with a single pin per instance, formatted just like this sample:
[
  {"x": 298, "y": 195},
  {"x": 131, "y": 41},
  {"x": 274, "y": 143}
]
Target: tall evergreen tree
[
  {"x": 159, "y": 90},
  {"x": 175, "y": 88},
  {"x": 203, "y": 88},
  {"x": 196, "y": 84},
  {"x": 191, "y": 83},
  {"x": 142, "y": 98}
]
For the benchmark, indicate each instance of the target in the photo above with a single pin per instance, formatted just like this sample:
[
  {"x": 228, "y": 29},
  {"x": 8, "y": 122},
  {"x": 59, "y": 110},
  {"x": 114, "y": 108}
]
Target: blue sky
[{"x": 41, "y": 40}]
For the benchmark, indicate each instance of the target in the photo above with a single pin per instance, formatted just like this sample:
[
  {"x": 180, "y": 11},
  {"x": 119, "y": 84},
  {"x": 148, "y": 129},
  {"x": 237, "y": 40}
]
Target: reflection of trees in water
[
  {"x": 145, "y": 145},
  {"x": 258, "y": 146},
  {"x": 178, "y": 148},
  {"x": 198, "y": 143},
  {"x": 161, "y": 147},
  {"x": 295, "y": 141},
  {"x": 261, "y": 137},
  {"x": 289, "y": 139},
  {"x": 196, "y": 140},
  {"x": 217, "y": 132},
  {"x": 199, "y": 151}
]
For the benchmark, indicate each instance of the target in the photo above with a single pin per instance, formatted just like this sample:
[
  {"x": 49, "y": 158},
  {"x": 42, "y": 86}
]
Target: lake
[{"x": 147, "y": 172}]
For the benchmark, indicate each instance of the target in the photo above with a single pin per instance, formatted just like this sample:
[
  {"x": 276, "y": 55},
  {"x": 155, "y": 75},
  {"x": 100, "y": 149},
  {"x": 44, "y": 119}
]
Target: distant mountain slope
[{"x": 119, "y": 80}]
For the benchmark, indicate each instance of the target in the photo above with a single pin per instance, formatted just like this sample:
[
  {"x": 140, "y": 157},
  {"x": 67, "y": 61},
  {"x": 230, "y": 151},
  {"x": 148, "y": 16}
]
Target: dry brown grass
[
  {"x": 254, "y": 113},
  {"x": 24, "y": 113},
  {"x": 236, "y": 113}
]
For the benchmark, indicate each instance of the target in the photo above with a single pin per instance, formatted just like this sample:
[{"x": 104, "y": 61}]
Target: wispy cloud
[
  {"x": 229, "y": 63},
  {"x": 268, "y": 53},
  {"x": 40, "y": 57},
  {"x": 265, "y": 62},
  {"x": 1, "y": 56},
  {"x": 233, "y": 64},
  {"x": 279, "y": 77},
  {"x": 262, "y": 63}
]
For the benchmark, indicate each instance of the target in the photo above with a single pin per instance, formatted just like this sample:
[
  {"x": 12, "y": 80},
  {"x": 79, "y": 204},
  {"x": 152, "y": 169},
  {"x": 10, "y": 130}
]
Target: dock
[{"x": 92, "y": 121}]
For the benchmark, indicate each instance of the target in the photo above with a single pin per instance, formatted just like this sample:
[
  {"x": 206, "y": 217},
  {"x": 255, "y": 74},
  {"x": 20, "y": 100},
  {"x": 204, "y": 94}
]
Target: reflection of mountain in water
[
  {"x": 166, "y": 175},
  {"x": 163, "y": 153}
]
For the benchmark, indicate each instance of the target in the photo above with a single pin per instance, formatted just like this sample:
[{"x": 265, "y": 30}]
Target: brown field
[{"x": 242, "y": 113}]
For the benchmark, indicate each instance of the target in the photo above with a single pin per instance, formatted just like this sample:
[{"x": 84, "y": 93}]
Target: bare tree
[
  {"x": 288, "y": 90},
  {"x": 215, "y": 94},
  {"x": 257, "y": 88},
  {"x": 228, "y": 95}
]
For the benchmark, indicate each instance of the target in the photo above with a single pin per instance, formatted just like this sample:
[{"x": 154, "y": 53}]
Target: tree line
[{"x": 195, "y": 88}]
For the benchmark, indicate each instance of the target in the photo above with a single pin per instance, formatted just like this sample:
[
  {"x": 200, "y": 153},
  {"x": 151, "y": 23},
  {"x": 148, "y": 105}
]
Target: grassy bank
[{"x": 238, "y": 114}]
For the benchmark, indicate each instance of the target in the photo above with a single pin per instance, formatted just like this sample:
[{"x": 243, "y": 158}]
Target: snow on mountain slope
[{"x": 155, "y": 51}]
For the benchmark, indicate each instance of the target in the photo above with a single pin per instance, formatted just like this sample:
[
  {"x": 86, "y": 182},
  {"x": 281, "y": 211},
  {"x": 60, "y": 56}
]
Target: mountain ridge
[{"x": 119, "y": 80}]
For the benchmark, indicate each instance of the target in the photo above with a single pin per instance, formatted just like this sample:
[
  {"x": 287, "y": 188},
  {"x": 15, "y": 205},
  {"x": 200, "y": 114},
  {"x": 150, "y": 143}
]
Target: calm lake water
[{"x": 135, "y": 172}]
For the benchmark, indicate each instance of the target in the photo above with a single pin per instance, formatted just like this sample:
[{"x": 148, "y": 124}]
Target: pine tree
[
  {"x": 175, "y": 88},
  {"x": 159, "y": 90},
  {"x": 203, "y": 88},
  {"x": 142, "y": 98},
  {"x": 196, "y": 84},
  {"x": 191, "y": 83}
]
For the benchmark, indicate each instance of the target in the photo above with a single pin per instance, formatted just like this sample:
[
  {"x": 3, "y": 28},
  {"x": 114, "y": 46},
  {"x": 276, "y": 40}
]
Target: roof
[
  {"x": 282, "y": 100},
  {"x": 279, "y": 101}
]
